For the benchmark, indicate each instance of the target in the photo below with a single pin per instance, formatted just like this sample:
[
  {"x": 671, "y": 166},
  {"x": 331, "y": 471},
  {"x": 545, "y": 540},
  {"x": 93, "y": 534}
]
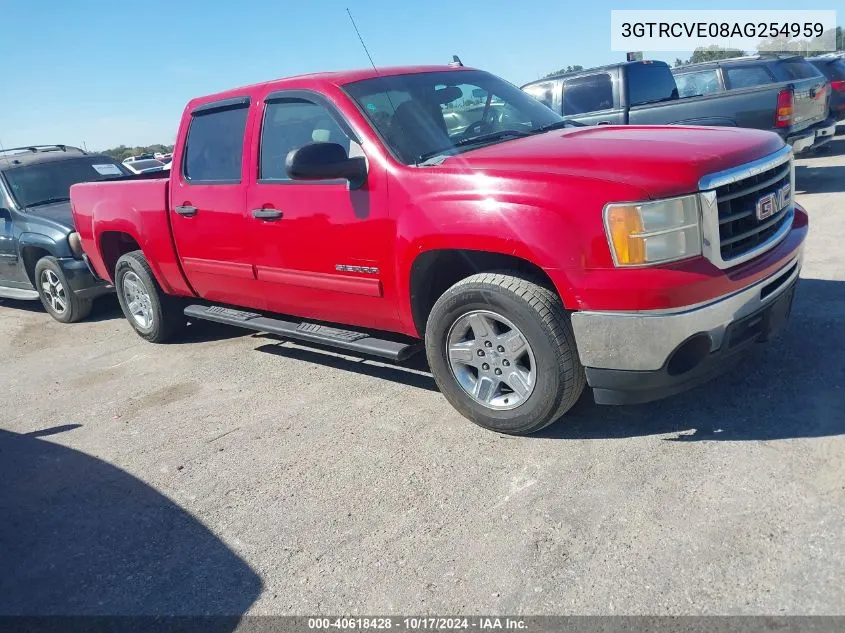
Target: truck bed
[{"x": 137, "y": 207}]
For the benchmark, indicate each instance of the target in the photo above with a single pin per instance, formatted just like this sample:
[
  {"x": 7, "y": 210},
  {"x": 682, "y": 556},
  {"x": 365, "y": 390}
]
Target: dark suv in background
[
  {"x": 833, "y": 67},
  {"x": 804, "y": 96},
  {"x": 40, "y": 252}
]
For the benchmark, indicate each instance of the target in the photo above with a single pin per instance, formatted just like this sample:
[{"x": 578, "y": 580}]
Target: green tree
[
  {"x": 568, "y": 69},
  {"x": 709, "y": 54}
]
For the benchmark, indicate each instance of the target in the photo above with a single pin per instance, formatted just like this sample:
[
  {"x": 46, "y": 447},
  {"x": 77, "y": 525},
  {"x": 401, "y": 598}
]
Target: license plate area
[{"x": 763, "y": 324}]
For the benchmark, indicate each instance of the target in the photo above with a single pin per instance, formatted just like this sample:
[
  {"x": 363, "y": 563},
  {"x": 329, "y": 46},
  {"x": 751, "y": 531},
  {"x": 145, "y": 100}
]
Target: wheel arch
[{"x": 435, "y": 271}]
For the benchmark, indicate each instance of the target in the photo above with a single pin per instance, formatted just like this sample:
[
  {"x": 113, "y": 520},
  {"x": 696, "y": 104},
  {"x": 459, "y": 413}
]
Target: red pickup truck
[{"x": 376, "y": 209}]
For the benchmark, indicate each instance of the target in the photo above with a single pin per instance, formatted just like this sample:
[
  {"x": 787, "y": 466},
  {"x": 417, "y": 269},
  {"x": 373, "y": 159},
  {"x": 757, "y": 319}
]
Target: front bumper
[
  {"x": 81, "y": 280},
  {"x": 632, "y": 357}
]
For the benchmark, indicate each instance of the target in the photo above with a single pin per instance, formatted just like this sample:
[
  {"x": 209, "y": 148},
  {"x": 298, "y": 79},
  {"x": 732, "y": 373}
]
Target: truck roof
[
  {"x": 20, "y": 156},
  {"x": 594, "y": 69},
  {"x": 337, "y": 78},
  {"x": 745, "y": 59}
]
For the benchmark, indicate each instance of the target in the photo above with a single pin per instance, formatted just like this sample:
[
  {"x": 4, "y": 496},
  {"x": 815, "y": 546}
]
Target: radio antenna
[
  {"x": 361, "y": 39},
  {"x": 5, "y": 155}
]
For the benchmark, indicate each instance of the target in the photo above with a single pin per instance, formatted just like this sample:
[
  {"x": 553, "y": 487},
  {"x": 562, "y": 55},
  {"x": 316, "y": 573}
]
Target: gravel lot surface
[{"x": 234, "y": 473}]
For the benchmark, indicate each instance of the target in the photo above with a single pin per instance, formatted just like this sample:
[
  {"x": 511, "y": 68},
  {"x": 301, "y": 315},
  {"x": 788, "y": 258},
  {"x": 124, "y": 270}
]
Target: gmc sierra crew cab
[{"x": 349, "y": 210}]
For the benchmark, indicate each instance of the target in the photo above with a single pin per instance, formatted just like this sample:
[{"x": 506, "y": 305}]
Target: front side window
[
  {"x": 215, "y": 145},
  {"x": 589, "y": 93},
  {"x": 699, "y": 83},
  {"x": 49, "y": 182},
  {"x": 747, "y": 76},
  {"x": 424, "y": 115},
  {"x": 288, "y": 125},
  {"x": 543, "y": 92}
]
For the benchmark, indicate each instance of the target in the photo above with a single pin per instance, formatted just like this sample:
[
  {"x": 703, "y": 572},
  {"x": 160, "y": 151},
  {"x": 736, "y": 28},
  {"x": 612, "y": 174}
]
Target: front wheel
[
  {"x": 56, "y": 295},
  {"x": 154, "y": 315},
  {"x": 502, "y": 351}
]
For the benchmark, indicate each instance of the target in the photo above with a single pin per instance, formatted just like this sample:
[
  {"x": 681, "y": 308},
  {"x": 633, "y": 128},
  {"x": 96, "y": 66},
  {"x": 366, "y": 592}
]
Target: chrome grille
[
  {"x": 732, "y": 230},
  {"x": 739, "y": 229}
]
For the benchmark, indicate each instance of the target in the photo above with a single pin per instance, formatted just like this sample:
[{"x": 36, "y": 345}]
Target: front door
[
  {"x": 320, "y": 248},
  {"x": 207, "y": 203}
]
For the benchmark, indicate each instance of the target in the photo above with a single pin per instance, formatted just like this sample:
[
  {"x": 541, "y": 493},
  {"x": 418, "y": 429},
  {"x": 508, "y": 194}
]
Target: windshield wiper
[
  {"x": 473, "y": 140},
  {"x": 558, "y": 125},
  {"x": 47, "y": 201}
]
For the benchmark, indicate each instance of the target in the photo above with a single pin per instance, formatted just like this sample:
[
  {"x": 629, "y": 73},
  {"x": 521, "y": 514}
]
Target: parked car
[
  {"x": 144, "y": 166},
  {"x": 132, "y": 159},
  {"x": 531, "y": 259},
  {"x": 833, "y": 67},
  {"x": 646, "y": 93},
  {"x": 40, "y": 251},
  {"x": 810, "y": 92}
]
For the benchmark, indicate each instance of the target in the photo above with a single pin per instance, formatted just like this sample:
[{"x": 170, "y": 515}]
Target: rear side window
[
  {"x": 650, "y": 83},
  {"x": 215, "y": 145},
  {"x": 589, "y": 93},
  {"x": 747, "y": 76},
  {"x": 800, "y": 69},
  {"x": 700, "y": 83}
]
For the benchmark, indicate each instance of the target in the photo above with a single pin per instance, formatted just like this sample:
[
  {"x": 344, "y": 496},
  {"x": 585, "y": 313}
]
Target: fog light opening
[{"x": 689, "y": 354}]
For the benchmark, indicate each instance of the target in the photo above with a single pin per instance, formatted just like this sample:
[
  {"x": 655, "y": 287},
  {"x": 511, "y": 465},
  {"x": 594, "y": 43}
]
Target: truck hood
[
  {"x": 661, "y": 160},
  {"x": 59, "y": 213}
]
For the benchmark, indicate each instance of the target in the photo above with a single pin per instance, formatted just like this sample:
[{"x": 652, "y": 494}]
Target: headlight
[
  {"x": 653, "y": 232},
  {"x": 75, "y": 244}
]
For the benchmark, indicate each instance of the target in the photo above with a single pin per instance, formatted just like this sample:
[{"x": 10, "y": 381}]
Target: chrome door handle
[
  {"x": 267, "y": 214},
  {"x": 186, "y": 211}
]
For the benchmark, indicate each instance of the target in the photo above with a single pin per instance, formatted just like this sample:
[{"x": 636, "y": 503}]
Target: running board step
[{"x": 305, "y": 331}]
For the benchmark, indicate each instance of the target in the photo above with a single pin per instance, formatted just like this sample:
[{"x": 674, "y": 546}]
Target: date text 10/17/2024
[{"x": 418, "y": 623}]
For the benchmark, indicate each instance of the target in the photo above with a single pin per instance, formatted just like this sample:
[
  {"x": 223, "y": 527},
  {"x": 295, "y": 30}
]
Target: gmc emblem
[{"x": 773, "y": 202}]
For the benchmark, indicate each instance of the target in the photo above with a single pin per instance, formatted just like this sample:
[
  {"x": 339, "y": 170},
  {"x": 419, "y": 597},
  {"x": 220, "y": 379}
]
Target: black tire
[
  {"x": 62, "y": 303},
  {"x": 539, "y": 314},
  {"x": 167, "y": 317}
]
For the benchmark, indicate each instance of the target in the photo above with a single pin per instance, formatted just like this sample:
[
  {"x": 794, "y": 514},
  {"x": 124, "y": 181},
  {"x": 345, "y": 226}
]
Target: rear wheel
[
  {"x": 502, "y": 351},
  {"x": 56, "y": 295},
  {"x": 154, "y": 315}
]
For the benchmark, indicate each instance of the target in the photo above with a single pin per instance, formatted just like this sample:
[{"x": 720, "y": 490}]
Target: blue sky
[{"x": 106, "y": 73}]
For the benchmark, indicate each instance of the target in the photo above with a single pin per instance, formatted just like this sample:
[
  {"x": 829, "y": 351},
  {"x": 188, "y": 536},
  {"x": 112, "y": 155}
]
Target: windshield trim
[{"x": 458, "y": 149}]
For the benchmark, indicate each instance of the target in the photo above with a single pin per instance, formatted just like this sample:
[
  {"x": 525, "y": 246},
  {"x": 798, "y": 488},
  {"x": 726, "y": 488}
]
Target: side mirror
[{"x": 326, "y": 161}]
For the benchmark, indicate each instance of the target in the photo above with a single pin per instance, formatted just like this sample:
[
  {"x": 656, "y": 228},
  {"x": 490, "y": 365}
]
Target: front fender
[{"x": 55, "y": 247}]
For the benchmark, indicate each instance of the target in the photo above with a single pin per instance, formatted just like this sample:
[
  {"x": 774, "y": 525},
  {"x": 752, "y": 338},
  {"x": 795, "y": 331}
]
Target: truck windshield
[
  {"x": 441, "y": 113},
  {"x": 48, "y": 182}
]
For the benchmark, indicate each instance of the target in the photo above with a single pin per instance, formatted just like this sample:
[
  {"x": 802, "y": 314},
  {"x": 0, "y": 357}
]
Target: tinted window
[
  {"x": 215, "y": 145},
  {"x": 587, "y": 94},
  {"x": 650, "y": 83},
  {"x": 747, "y": 76},
  {"x": 832, "y": 70},
  {"x": 800, "y": 69},
  {"x": 288, "y": 125},
  {"x": 701, "y": 83},
  {"x": 47, "y": 182}
]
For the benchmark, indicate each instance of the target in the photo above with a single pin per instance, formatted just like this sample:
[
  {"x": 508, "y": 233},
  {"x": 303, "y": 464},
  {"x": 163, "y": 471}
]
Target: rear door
[
  {"x": 812, "y": 92},
  {"x": 207, "y": 200}
]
